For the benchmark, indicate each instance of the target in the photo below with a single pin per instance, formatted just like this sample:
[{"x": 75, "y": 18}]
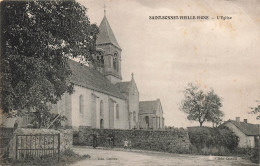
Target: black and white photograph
[{"x": 130, "y": 82}]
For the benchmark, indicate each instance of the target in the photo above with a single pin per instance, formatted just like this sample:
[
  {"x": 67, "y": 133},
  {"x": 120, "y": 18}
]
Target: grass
[{"x": 67, "y": 157}]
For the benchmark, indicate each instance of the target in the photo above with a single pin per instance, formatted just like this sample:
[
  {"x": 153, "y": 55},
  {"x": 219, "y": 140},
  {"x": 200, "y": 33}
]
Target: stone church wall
[
  {"x": 90, "y": 116},
  {"x": 159, "y": 114},
  {"x": 176, "y": 141},
  {"x": 83, "y": 118},
  {"x": 64, "y": 107},
  {"x": 134, "y": 106},
  {"x": 122, "y": 121},
  {"x": 154, "y": 120}
]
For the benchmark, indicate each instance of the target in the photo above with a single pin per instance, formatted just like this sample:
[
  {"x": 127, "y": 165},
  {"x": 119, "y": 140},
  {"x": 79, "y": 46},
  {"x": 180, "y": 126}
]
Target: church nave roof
[
  {"x": 89, "y": 78},
  {"x": 123, "y": 86}
]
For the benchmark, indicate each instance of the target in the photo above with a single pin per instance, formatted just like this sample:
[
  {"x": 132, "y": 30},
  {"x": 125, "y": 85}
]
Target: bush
[
  {"x": 215, "y": 141},
  {"x": 254, "y": 155},
  {"x": 206, "y": 137},
  {"x": 251, "y": 154},
  {"x": 174, "y": 140}
]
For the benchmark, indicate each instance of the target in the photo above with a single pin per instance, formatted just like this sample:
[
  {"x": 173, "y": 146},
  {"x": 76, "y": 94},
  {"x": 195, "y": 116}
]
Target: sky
[{"x": 166, "y": 55}]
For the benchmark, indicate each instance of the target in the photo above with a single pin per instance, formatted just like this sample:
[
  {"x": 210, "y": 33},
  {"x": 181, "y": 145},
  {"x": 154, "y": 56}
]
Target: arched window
[
  {"x": 109, "y": 61},
  {"x": 147, "y": 120},
  {"x": 115, "y": 62},
  {"x": 100, "y": 59},
  {"x": 134, "y": 116},
  {"x": 101, "y": 109},
  {"x": 81, "y": 104},
  {"x": 117, "y": 111},
  {"x": 101, "y": 123}
]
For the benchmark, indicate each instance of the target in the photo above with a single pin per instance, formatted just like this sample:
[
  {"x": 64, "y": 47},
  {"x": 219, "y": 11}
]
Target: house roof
[
  {"x": 86, "y": 77},
  {"x": 106, "y": 35},
  {"x": 148, "y": 106},
  {"x": 247, "y": 128},
  {"x": 123, "y": 86}
]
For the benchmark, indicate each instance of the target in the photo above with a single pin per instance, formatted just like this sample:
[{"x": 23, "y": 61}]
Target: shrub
[
  {"x": 254, "y": 155},
  {"x": 206, "y": 137},
  {"x": 251, "y": 154},
  {"x": 217, "y": 141}
]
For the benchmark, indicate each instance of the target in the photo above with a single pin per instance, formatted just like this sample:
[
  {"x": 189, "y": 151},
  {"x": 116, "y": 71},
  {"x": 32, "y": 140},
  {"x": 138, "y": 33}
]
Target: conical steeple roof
[{"x": 106, "y": 34}]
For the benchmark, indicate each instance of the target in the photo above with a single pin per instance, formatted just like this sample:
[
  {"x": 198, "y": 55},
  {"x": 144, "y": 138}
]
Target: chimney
[
  {"x": 245, "y": 120},
  {"x": 238, "y": 119}
]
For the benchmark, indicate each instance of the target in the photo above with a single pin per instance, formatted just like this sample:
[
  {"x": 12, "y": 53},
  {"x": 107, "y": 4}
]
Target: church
[{"x": 100, "y": 98}]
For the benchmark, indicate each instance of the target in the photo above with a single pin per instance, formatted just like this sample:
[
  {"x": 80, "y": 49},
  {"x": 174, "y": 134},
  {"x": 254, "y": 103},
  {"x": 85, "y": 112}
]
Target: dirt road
[{"x": 121, "y": 157}]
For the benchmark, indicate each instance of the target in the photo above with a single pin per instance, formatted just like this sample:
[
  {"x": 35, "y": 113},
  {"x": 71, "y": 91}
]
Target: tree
[
  {"x": 201, "y": 106},
  {"x": 38, "y": 37},
  {"x": 215, "y": 115},
  {"x": 256, "y": 110}
]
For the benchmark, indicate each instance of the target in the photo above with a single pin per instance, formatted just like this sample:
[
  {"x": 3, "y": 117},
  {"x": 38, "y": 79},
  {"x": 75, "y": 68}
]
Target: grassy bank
[{"x": 67, "y": 157}]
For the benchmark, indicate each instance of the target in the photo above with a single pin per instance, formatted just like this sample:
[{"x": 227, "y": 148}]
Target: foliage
[
  {"x": 201, "y": 106},
  {"x": 251, "y": 154},
  {"x": 256, "y": 110},
  {"x": 201, "y": 137},
  {"x": 172, "y": 141},
  {"x": 47, "y": 119},
  {"x": 69, "y": 156},
  {"x": 254, "y": 155},
  {"x": 38, "y": 37}
]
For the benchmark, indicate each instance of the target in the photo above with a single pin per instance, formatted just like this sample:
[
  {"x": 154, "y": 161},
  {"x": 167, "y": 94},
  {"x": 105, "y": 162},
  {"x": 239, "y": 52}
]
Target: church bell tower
[{"x": 110, "y": 52}]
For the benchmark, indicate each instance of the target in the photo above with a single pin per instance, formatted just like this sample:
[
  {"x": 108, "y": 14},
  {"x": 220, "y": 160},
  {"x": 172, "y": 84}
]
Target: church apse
[{"x": 151, "y": 115}]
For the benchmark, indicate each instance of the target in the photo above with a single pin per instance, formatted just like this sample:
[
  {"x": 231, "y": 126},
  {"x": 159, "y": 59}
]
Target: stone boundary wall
[
  {"x": 174, "y": 141},
  {"x": 5, "y": 137},
  {"x": 66, "y": 139}
]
